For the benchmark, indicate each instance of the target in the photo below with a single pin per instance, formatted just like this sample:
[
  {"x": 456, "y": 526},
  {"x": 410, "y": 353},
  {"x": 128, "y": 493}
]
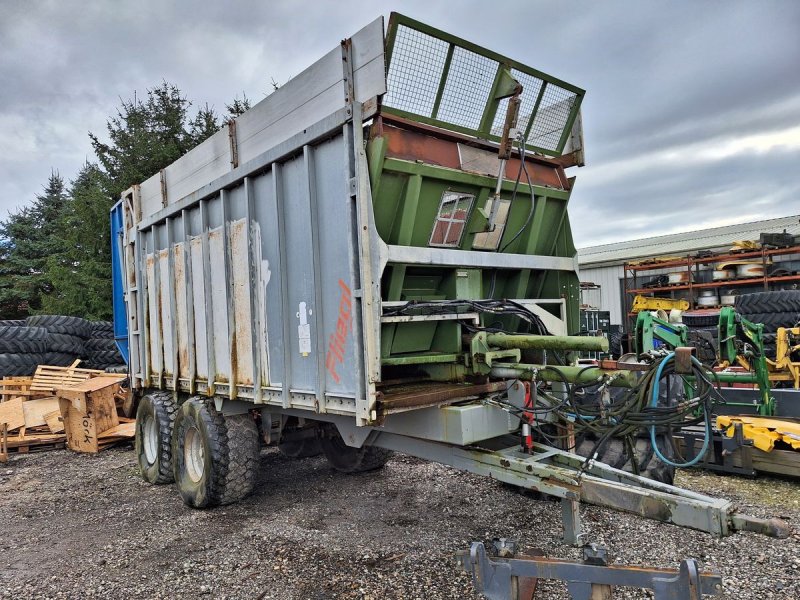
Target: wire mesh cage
[{"x": 437, "y": 78}]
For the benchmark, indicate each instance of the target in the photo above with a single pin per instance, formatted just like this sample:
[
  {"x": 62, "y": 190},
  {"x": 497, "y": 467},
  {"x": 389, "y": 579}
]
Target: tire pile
[
  {"x": 55, "y": 340},
  {"x": 774, "y": 309},
  {"x": 703, "y": 334}
]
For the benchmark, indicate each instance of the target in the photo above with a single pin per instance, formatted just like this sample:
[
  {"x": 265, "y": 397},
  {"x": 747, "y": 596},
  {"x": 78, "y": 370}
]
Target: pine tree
[
  {"x": 30, "y": 236},
  {"x": 237, "y": 107},
  {"x": 144, "y": 137},
  {"x": 81, "y": 271},
  {"x": 204, "y": 125}
]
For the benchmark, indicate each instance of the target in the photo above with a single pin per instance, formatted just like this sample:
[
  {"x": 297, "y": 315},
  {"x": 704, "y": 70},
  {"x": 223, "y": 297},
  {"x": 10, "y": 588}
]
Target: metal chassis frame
[
  {"x": 566, "y": 476},
  {"x": 499, "y": 578}
]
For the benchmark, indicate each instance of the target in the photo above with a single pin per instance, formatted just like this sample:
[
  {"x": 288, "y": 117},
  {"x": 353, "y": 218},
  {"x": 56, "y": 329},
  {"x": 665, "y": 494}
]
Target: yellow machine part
[
  {"x": 645, "y": 303},
  {"x": 764, "y": 431}
]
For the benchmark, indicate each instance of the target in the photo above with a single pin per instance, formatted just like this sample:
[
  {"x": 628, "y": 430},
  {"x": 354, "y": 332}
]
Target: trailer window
[
  {"x": 452, "y": 219},
  {"x": 490, "y": 240}
]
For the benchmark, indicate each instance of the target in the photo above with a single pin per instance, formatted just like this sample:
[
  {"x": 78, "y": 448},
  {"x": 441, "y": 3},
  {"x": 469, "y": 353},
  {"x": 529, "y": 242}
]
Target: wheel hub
[
  {"x": 150, "y": 434},
  {"x": 194, "y": 455}
]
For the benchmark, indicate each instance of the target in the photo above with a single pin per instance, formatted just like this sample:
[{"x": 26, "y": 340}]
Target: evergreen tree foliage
[
  {"x": 237, "y": 107},
  {"x": 81, "y": 270},
  {"x": 55, "y": 255},
  {"x": 145, "y": 136},
  {"x": 29, "y": 236},
  {"x": 204, "y": 125}
]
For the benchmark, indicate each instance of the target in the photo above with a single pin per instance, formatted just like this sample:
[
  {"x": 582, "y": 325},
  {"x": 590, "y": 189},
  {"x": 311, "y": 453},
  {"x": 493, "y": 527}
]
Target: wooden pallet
[
  {"x": 13, "y": 387},
  {"x": 32, "y": 416},
  {"x": 49, "y": 379}
]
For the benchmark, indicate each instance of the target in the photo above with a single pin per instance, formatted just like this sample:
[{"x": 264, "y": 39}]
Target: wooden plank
[
  {"x": 123, "y": 430},
  {"x": 54, "y": 421},
  {"x": 87, "y": 416},
  {"x": 12, "y": 414},
  {"x": 90, "y": 385},
  {"x": 35, "y": 410},
  {"x": 3, "y": 442},
  {"x": 79, "y": 428},
  {"x": 33, "y": 440}
]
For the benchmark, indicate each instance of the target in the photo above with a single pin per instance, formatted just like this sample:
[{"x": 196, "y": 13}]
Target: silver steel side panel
[
  {"x": 305, "y": 99},
  {"x": 251, "y": 274}
]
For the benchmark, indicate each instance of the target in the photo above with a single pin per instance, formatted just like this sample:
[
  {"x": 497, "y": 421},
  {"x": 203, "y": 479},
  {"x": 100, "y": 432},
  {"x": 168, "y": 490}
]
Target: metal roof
[{"x": 679, "y": 244}]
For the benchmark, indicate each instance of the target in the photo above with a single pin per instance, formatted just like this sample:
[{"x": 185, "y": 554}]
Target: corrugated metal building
[{"x": 603, "y": 265}]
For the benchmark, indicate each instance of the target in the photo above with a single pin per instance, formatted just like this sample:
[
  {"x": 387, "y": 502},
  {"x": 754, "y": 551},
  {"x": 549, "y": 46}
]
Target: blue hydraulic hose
[{"x": 654, "y": 403}]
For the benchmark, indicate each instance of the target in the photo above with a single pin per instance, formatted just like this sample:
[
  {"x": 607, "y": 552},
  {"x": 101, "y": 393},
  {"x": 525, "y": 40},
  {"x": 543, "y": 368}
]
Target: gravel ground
[{"x": 86, "y": 526}]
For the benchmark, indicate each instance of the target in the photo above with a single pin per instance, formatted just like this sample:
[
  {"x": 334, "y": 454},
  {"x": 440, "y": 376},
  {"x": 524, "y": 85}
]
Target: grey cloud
[{"x": 658, "y": 76}]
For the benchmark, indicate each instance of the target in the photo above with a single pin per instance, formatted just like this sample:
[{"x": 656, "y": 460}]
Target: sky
[{"x": 691, "y": 116}]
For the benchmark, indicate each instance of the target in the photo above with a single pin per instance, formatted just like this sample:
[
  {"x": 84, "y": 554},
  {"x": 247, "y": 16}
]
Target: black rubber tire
[
  {"x": 61, "y": 324},
  {"x": 244, "y": 449},
  {"x": 20, "y": 364},
  {"x": 694, "y": 321},
  {"x": 100, "y": 344},
  {"x": 615, "y": 344},
  {"x": 161, "y": 408},
  {"x": 347, "y": 459},
  {"x": 705, "y": 341},
  {"x": 305, "y": 447},
  {"x": 773, "y": 320},
  {"x": 12, "y": 323},
  {"x": 61, "y": 342},
  {"x": 770, "y": 345},
  {"x": 15, "y": 340},
  {"x": 768, "y": 302},
  {"x": 102, "y": 329},
  {"x": 230, "y": 454},
  {"x": 60, "y": 359},
  {"x": 614, "y": 453},
  {"x": 104, "y": 357}
]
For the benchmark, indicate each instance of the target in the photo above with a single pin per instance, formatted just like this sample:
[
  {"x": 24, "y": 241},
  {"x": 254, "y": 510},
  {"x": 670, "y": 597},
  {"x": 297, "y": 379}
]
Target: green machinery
[{"x": 740, "y": 341}]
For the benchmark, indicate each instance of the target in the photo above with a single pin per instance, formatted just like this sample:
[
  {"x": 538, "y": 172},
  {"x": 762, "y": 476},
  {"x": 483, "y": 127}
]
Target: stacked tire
[
  {"x": 65, "y": 337},
  {"x": 22, "y": 348},
  {"x": 703, "y": 333},
  {"x": 100, "y": 350},
  {"x": 776, "y": 309}
]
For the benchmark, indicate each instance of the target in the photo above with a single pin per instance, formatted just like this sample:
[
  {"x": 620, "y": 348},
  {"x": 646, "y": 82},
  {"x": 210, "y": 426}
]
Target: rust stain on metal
[
  {"x": 441, "y": 149},
  {"x": 241, "y": 352},
  {"x": 180, "y": 302},
  {"x": 432, "y": 394}
]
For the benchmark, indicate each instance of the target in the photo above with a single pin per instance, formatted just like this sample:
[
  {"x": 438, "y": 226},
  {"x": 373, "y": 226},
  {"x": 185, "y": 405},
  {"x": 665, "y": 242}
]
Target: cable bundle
[{"x": 497, "y": 307}]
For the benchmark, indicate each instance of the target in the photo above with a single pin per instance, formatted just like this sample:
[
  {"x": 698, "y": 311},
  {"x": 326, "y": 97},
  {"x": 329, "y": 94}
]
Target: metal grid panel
[
  {"x": 469, "y": 84},
  {"x": 553, "y": 113},
  {"x": 416, "y": 69},
  {"x": 445, "y": 81},
  {"x": 530, "y": 92}
]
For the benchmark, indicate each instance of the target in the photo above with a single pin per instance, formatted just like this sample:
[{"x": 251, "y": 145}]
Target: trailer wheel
[
  {"x": 615, "y": 453},
  {"x": 215, "y": 458},
  {"x": 299, "y": 446},
  {"x": 155, "y": 419},
  {"x": 347, "y": 459}
]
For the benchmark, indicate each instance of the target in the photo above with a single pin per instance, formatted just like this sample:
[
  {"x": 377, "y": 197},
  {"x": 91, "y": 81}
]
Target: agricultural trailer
[{"x": 376, "y": 257}]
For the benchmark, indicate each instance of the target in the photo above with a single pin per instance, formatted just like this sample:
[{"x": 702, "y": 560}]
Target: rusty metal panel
[
  {"x": 200, "y": 302},
  {"x": 181, "y": 314},
  {"x": 243, "y": 318},
  {"x": 219, "y": 305},
  {"x": 153, "y": 317},
  {"x": 165, "y": 311}
]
